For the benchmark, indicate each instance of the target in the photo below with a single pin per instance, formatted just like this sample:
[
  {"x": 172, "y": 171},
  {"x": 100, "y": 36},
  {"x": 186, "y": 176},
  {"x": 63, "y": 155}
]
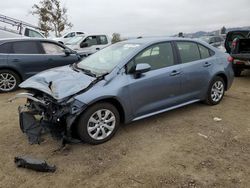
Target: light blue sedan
[{"x": 125, "y": 82}]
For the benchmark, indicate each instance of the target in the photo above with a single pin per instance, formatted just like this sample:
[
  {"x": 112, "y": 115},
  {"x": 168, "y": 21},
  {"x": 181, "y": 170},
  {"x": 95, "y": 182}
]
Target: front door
[{"x": 160, "y": 87}]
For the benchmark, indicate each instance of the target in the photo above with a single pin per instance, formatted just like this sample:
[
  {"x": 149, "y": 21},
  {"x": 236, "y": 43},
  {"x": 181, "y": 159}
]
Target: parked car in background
[
  {"x": 68, "y": 36},
  {"x": 215, "y": 41},
  {"x": 22, "y": 58},
  {"x": 88, "y": 44},
  {"x": 237, "y": 45},
  {"x": 14, "y": 28},
  {"x": 124, "y": 82}
]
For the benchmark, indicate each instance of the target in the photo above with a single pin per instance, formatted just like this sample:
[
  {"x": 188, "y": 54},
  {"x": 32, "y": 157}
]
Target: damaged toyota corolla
[{"x": 124, "y": 82}]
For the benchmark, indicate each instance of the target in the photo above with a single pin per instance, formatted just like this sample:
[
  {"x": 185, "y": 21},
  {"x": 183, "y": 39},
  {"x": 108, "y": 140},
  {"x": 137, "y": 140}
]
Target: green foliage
[
  {"x": 223, "y": 30},
  {"x": 116, "y": 37},
  {"x": 52, "y": 17}
]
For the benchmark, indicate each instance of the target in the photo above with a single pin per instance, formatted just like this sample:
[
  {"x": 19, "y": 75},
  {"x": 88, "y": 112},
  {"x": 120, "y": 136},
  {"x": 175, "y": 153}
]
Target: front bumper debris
[
  {"x": 34, "y": 128},
  {"x": 42, "y": 114},
  {"x": 33, "y": 164}
]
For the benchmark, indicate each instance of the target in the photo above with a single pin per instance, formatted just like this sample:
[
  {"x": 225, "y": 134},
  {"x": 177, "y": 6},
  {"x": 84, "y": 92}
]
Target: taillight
[{"x": 230, "y": 59}]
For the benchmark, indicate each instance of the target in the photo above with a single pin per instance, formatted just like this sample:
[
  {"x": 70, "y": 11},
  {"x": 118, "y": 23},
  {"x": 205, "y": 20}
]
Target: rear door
[
  {"x": 27, "y": 56},
  {"x": 196, "y": 65},
  {"x": 159, "y": 88},
  {"x": 56, "y": 56}
]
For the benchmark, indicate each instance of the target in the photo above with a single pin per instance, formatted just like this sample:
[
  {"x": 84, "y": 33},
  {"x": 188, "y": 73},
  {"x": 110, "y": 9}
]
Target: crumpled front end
[{"x": 43, "y": 114}]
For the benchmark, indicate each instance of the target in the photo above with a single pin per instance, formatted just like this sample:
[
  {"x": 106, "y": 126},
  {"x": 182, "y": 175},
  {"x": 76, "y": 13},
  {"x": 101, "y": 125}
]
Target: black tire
[
  {"x": 13, "y": 77},
  {"x": 83, "y": 123},
  {"x": 209, "y": 98},
  {"x": 237, "y": 72}
]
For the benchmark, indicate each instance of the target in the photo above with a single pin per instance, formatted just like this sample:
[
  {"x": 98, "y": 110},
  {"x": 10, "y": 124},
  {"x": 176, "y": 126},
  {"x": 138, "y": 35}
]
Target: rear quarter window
[{"x": 204, "y": 52}]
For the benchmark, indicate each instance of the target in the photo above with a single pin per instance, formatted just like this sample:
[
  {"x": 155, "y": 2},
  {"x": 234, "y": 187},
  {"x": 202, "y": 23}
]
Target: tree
[
  {"x": 223, "y": 30},
  {"x": 52, "y": 17},
  {"x": 116, "y": 37}
]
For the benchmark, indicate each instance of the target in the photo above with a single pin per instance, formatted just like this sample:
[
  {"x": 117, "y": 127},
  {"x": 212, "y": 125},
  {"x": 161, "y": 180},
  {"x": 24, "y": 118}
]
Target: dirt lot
[{"x": 181, "y": 148}]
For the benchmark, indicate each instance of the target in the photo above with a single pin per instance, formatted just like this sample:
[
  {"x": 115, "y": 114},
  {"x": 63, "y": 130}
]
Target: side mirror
[
  {"x": 141, "y": 68},
  {"x": 84, "y": 45},
  {"x": 67, "y": 51}
]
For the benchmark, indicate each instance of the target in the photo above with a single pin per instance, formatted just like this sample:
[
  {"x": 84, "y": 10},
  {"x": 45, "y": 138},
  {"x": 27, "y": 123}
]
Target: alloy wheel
[
  {"x": 101, "y": 124},
  {"x": 217, "y": 91},
  {"x": 7, "y": 82}
]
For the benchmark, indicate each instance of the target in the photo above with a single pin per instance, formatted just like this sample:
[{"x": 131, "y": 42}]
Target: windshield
[
  {"x": 107, "y": 59},
  {"x": 74, "y": 40}
]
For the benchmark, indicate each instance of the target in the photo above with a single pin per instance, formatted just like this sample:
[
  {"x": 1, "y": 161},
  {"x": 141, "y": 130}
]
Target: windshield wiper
[{"x": 86, "y": 71}]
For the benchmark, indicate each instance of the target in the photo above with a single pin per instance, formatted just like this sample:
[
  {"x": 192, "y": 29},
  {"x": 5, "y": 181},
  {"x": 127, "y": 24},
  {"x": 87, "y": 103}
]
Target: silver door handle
[
  {"x": 175, "y": 72},
  {"x": 207, "y": 64}
]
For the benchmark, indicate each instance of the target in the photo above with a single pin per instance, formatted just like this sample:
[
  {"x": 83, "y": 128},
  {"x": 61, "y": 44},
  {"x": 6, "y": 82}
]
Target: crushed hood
[{"x": 59, "y": 82}]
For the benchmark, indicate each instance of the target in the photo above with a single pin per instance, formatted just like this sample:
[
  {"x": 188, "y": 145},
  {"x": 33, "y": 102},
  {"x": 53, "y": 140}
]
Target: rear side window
[
  {"x": 102, "y": 40},
  {"x": 79, "y": 33},
  {"x": 188, "y": 51},
  {"x": 5, "y": 48},
  {"x": 205, "y": 52},
  {"x": 25, "y": 47}
]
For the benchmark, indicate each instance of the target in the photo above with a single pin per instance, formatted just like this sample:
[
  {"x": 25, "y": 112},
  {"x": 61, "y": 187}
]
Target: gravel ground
[{"x": 180, "y": 148}]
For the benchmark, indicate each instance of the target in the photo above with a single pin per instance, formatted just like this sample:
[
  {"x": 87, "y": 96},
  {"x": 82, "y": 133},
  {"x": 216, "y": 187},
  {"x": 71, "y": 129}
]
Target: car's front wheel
[
  {"x": 98, "y": 123},
  {"x": 9, "y": 81},
  {"x": 216, "y": 91}
]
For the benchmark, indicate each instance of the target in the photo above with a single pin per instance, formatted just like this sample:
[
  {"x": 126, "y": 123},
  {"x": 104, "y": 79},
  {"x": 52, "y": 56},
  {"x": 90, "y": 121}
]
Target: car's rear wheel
[
  {"x": 98, "y": 123},
  {"x": 9, "y": 81},
  {"x": 237, "y": 72},
  {"x": 216, "y": 91}
]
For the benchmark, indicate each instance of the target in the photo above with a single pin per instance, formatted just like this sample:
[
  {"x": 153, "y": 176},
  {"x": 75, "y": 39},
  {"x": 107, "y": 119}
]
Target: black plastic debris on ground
[{"x": 33, "y": 164}]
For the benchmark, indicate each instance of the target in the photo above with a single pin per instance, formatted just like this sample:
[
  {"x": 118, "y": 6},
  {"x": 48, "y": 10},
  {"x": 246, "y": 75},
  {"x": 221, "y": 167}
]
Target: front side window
[
  {"x": 157, "y": 56},
  {"x": 25, "y": 47},
  {"x": 52, "y": 49},
  {"x": 70, "y": 35},
  {"x": 92, "y": 40},
  {"x": 188, "y": 51}
]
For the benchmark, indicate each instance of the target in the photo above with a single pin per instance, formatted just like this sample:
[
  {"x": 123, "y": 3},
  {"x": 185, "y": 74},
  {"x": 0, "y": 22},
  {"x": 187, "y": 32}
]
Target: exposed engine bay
[{"x": 43, "y": 114}]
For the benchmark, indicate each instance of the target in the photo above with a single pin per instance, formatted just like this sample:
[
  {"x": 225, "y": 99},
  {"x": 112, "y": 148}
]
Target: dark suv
[
  {"x": 22, "y": 58},
  {"x": 237, "y": 45}
]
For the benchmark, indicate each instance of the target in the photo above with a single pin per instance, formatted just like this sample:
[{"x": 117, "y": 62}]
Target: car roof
[
  {"x": 24, "y": 39},
  {"x": 152, "y": 40}
]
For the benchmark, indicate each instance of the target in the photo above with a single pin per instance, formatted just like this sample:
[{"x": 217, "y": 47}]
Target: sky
[{"x": 133, "y": 18}]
